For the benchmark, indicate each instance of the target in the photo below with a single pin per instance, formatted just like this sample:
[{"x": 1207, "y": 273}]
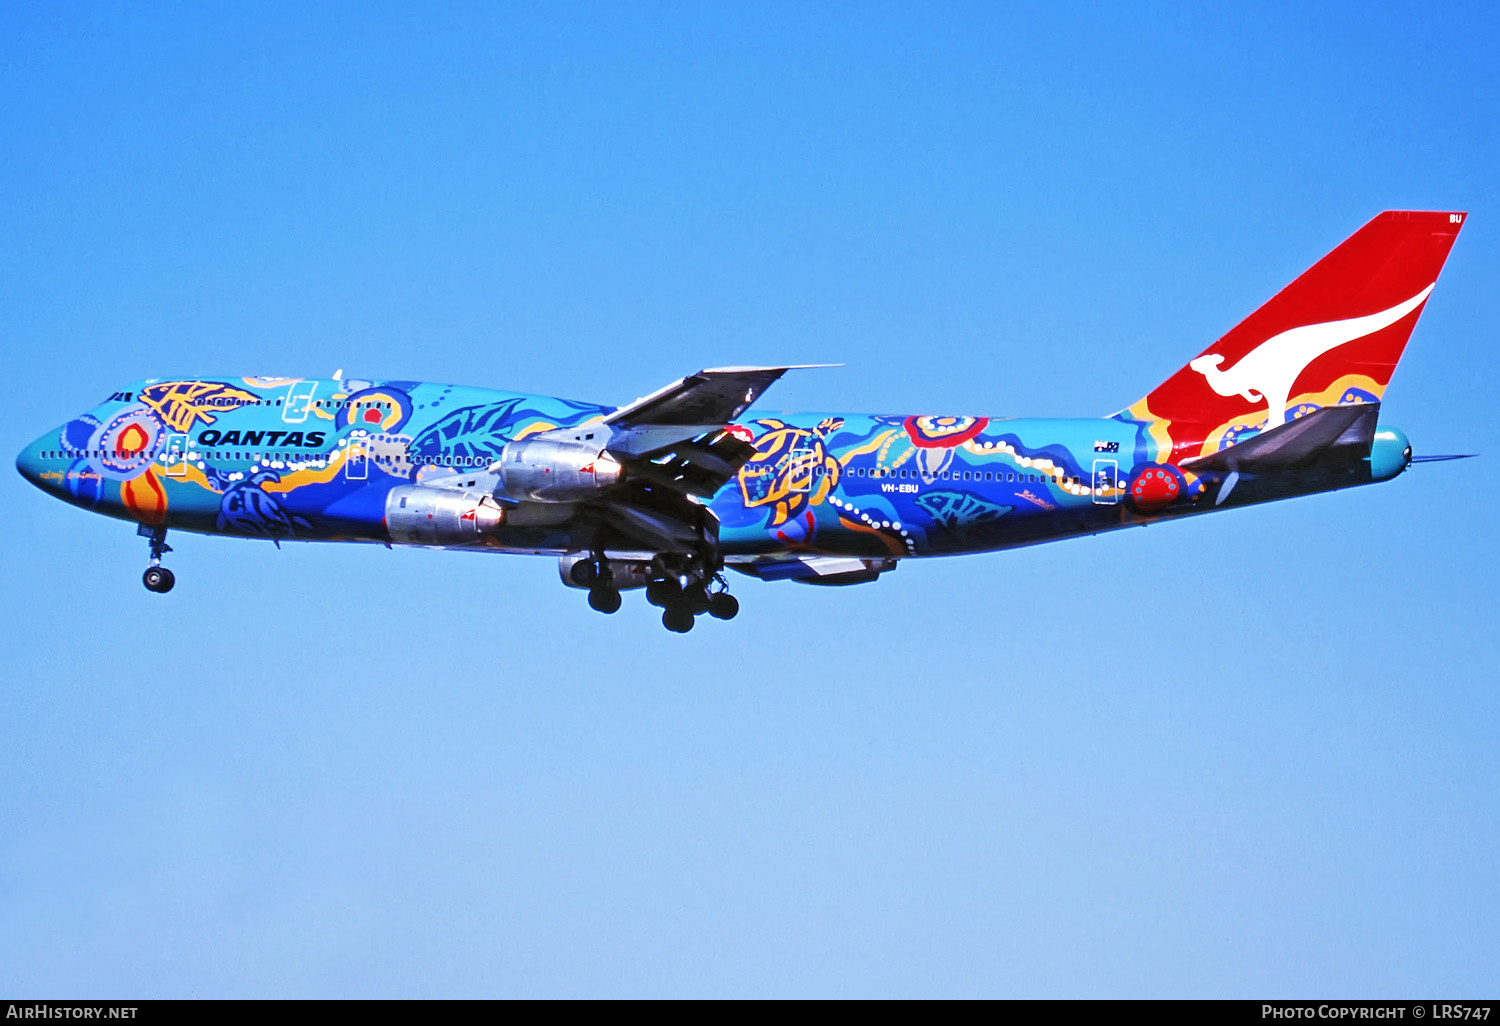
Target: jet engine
[
  {"x": 416, "y": 515},
  {"x": 555, "y": 470}
]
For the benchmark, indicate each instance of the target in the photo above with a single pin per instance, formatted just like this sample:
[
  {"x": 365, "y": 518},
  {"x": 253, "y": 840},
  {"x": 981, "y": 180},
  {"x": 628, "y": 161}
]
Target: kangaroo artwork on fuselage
[{"x": 668, "y": 492}]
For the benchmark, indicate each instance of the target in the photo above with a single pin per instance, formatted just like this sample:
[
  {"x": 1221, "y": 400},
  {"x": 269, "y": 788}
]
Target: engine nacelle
[
  {"x": 415, "y": 515},
  {"x": 555, "y": 470},
  {"x": 624, "y": 574}
]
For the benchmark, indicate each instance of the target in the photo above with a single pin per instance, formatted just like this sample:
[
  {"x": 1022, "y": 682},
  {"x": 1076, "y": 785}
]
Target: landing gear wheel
[
  {"x": 158, "y": 579},
  {"x": 663, "y": 593},
  {"x": 695, "y": 600},
  {"x": 675, "y": 618},
  {"x": 723, "y": 606},
  {"x": 604, "y": 600}
]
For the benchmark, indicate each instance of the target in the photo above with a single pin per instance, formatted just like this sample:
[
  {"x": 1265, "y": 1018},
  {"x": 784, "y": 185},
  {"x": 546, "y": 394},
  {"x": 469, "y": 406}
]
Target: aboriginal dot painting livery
[{"x": 668, "y": 492}]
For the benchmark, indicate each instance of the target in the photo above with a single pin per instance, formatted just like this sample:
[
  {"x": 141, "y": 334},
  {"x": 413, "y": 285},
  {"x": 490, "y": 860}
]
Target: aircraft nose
[
  {"x": 29, "y": 463},
  {"x": 32, "y": 464}
]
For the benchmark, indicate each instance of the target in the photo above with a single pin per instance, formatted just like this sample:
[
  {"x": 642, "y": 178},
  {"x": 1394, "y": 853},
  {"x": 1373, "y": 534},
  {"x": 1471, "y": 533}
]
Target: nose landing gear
[{"x": 157, "y": 578}]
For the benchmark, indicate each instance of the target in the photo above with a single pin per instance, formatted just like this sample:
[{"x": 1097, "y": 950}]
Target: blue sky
[{"x": 1244, "y": 756}]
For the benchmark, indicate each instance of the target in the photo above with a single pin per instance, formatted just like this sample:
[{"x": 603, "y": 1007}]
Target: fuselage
[{"x": 317, "y": 460}]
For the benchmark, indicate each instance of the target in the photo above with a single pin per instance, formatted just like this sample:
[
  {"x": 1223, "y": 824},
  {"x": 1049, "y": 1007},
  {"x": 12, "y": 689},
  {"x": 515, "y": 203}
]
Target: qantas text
[{"x": 308, "y": 439}]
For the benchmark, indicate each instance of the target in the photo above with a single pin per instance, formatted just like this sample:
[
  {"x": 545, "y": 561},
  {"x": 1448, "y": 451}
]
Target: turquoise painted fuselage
[{"x": 314, "y": 460}]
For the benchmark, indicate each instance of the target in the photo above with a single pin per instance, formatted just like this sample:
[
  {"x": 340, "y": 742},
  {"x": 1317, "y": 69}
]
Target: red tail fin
[{"x": 1332, "y": 336}]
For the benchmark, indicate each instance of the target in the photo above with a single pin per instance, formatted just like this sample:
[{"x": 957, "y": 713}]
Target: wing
[
  {"x": 662, "y": 502},
  {"x": 678, "y": 447},
  {"x": 715, "y": 396}
]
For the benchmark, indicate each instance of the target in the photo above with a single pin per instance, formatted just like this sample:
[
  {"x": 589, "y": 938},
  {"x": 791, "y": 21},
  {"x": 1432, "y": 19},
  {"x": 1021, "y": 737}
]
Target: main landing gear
[
  {"x": 683, "y": 587},
  {"x": 685, "y": 596},
  {"x": 157, "y": 578},
  {"x": 604, "y": 599},
  {"x": 593, "y": 575}
]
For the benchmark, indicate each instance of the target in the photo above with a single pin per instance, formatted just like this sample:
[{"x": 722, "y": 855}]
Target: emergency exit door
[{"x": 1106, "y": 482}]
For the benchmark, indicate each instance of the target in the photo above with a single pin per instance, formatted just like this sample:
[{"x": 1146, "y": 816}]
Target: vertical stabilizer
[{"x": 1331, "y": 337}]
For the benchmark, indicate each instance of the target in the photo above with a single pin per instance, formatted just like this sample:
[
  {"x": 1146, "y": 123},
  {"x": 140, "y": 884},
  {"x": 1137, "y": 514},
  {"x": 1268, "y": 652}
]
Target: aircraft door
[
  {"x": 1106, "y": 482},
  {"x": 299, "y": 399},
  {"x": 356, "y": 462},
  {"x": 800, "y": 466},
  {"x": 177, "y": 447}
]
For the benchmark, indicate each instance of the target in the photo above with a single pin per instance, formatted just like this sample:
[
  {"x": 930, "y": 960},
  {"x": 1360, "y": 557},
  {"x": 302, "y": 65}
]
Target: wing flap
[
  {"x": 836, "y": 571},
  {"x": 678, "y": 448}
]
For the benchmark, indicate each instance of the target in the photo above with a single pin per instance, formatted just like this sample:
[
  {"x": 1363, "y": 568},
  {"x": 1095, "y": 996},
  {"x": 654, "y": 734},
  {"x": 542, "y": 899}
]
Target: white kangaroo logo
[{"x": 1269, "y": 371}]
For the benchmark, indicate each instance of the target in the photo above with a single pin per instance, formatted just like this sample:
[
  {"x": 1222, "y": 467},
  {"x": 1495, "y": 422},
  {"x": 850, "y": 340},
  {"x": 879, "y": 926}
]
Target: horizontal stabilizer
[{"x": 1346, "y": 430}]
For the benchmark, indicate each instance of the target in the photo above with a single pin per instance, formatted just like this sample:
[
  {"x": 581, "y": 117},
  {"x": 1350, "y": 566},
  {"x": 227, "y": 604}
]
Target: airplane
[{"x": 666, "y": 493}]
